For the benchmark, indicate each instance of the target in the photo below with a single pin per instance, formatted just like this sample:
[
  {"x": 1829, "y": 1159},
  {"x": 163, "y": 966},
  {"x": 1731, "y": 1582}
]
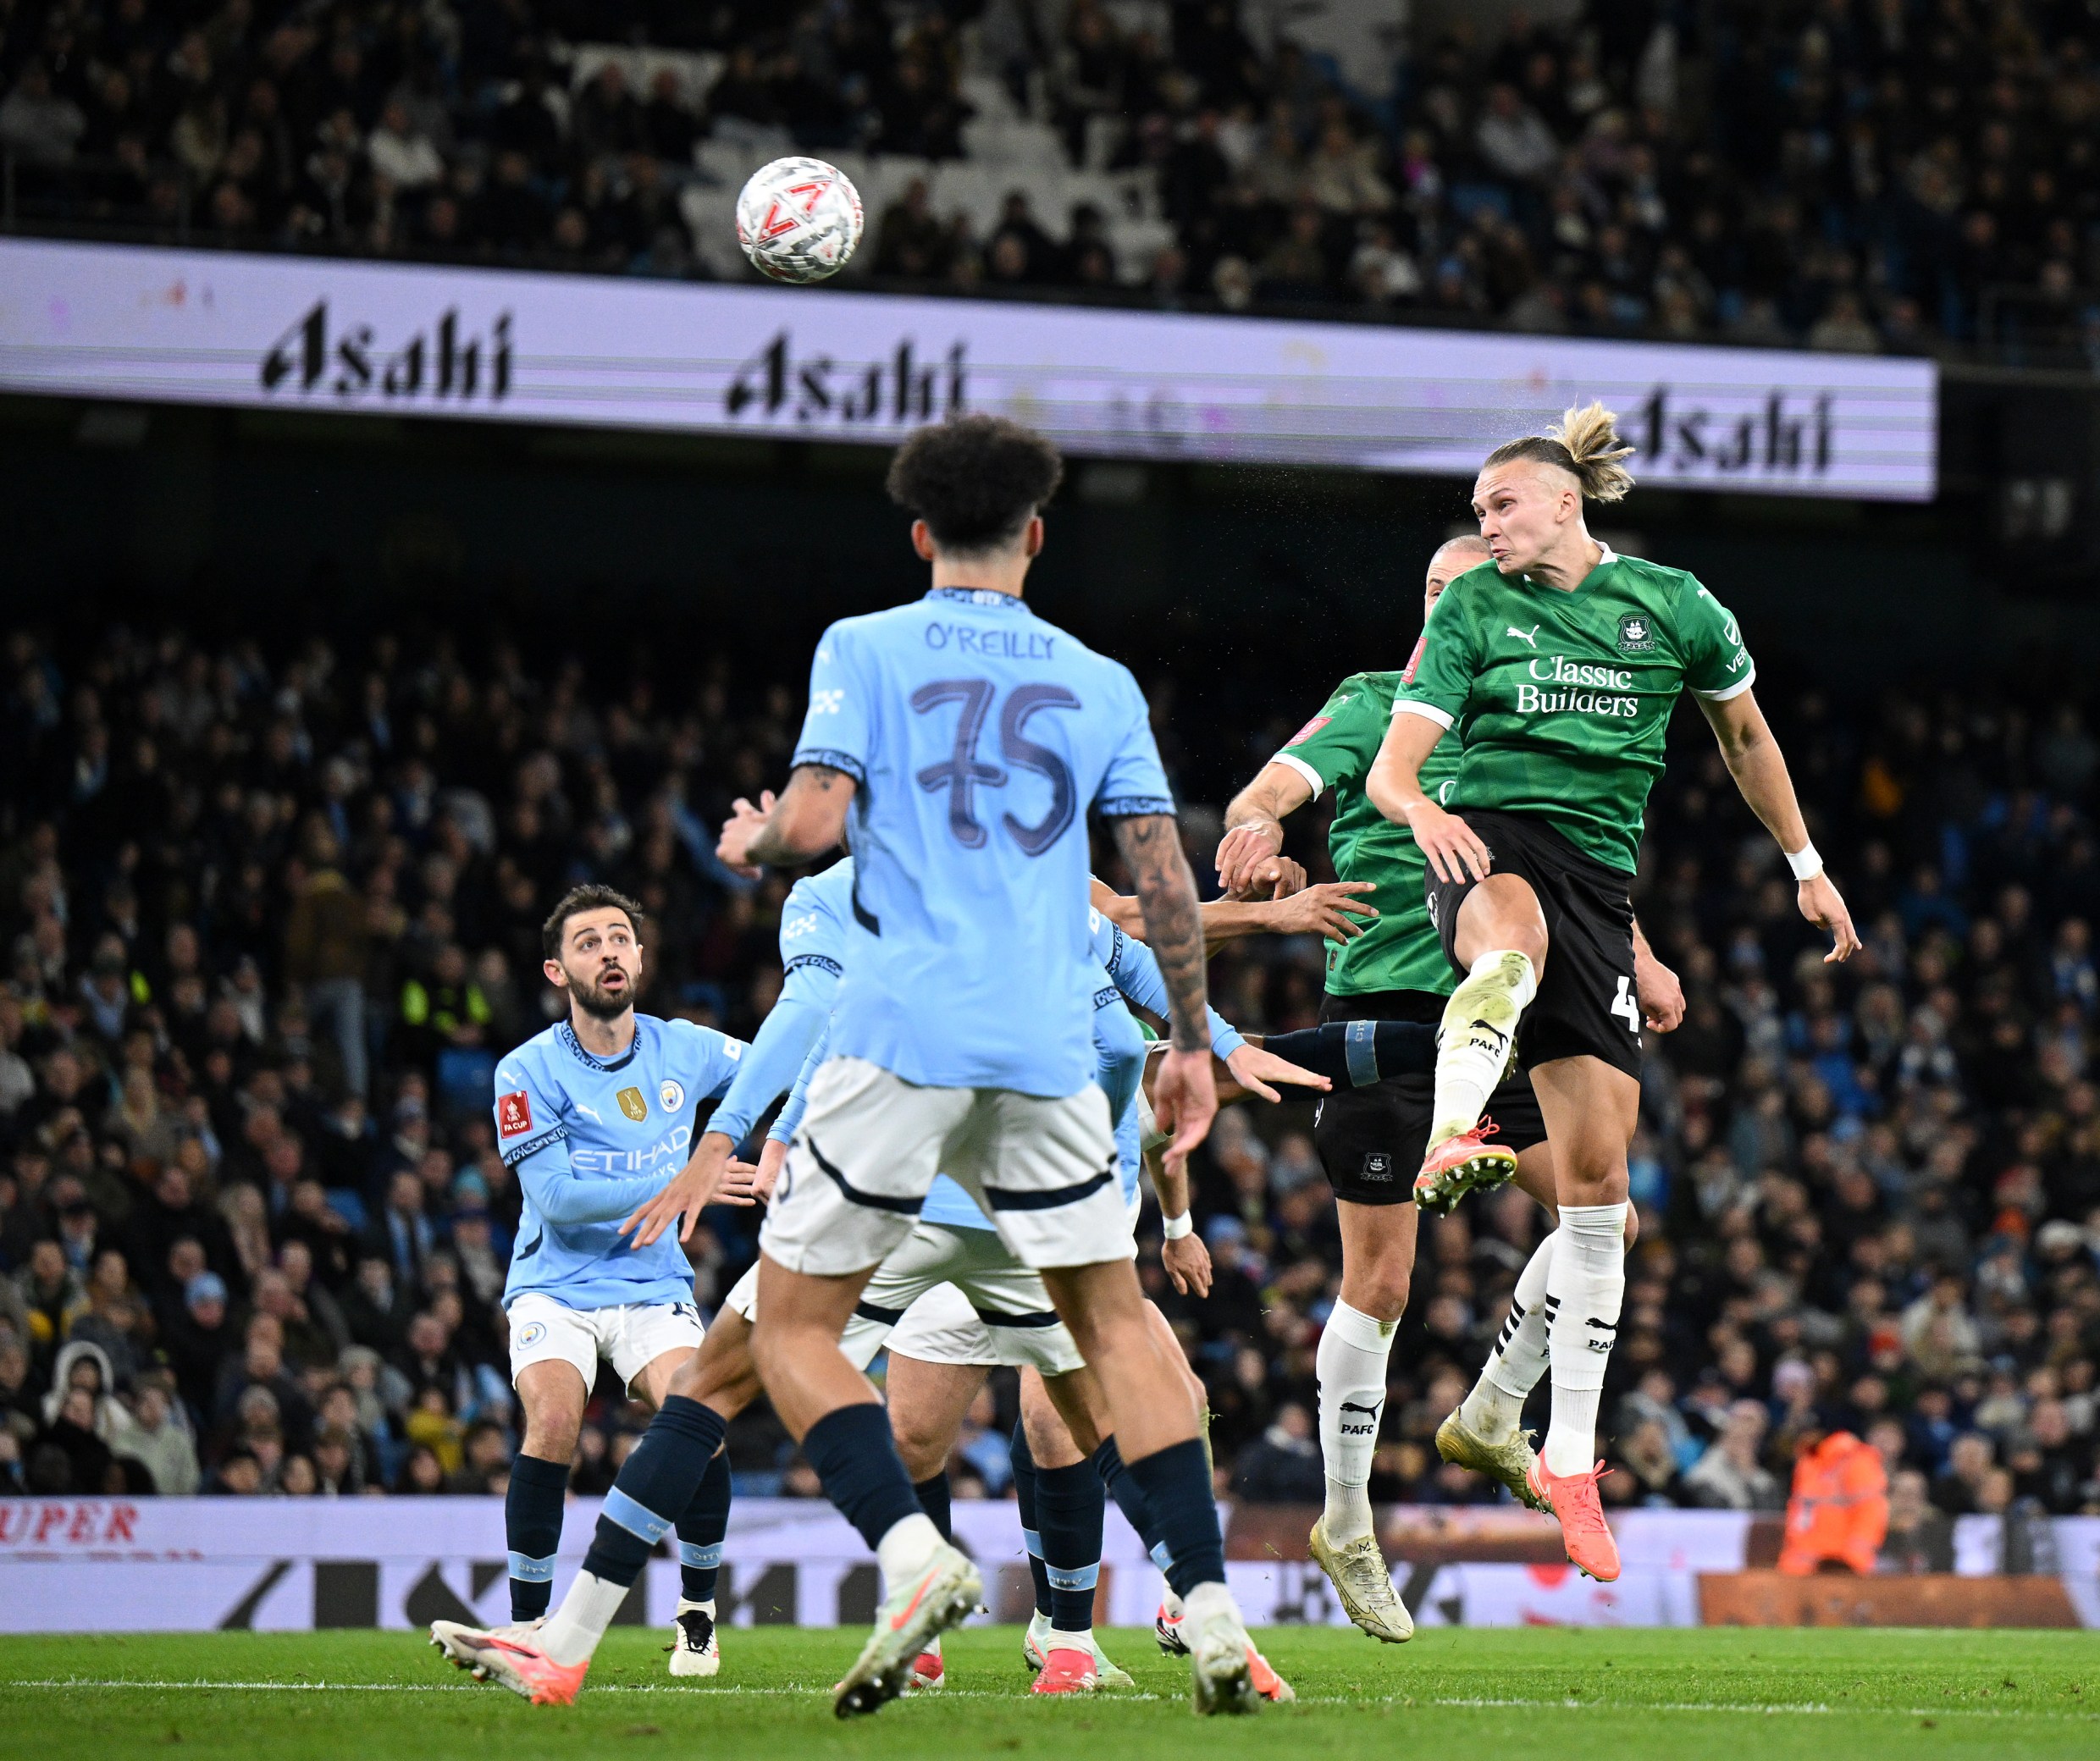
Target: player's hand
[
  {"x": 691, "y": 1191},
  {"x": 1662, "y": 997},
  {"x": 1822, "y": 906},
  {"x": 745, "y": 822},
  {"x": 1187, "y": 1262},
  {"x": 743, "y": 1184},
  {"x": 1453, "y": 851},
  {"x": 1273, "y": 877},
  {"x": 1254, "y": 1070},
  {"x": 1185, "y": 1101},
  {"x": 1330, "y": 910},
  {"x": 1243, "y": 849}
]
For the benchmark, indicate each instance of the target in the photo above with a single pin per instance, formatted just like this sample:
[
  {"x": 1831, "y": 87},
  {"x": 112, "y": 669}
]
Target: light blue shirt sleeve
[
  {"x": 562, "y": 1198},
  {"x": 1134, "y": 781},
  {"x": 1136, "y": 974},
  {"x": 837, "y": 727},
  {"x": 797, "y": 1103},
  {"x": 769, "y": 1068}
]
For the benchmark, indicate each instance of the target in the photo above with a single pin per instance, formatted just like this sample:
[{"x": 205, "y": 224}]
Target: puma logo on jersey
[{"x": 1530, "y": 635}]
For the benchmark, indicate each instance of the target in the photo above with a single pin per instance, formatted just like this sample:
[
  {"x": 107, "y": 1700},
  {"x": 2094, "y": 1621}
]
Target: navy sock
[
  {"x": 851, "y": 1450},
  {"x": 655, "y": 1487},
  {"x": 1025, "y": 1506},
  {"x": 1358, "y": 1053},
  {"x": 1070, "y": 1503},
  {"x": 531, "y": 1524},
  {"x": 1131, "y": 1501},
  {"x": 700, "y": 1532},
  {"x": 1175, "y": 1483},
  {"x": 934, "y": 1500}
]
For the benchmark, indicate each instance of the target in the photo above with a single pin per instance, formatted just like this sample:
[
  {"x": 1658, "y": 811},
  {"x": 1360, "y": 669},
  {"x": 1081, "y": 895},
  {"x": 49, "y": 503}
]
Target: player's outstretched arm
[
  {"x": 1394, "y": 786},
  {"x": 807, "y": 818},
  {"x": 1330, "y": 910},
  {"x": 1759, "y": 770},
  {"x": 1184, "y": 1098}
]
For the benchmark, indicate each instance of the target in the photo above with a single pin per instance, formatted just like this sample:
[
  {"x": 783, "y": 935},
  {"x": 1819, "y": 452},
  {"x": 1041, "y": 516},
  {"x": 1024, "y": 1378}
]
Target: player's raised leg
[{"x": 1502, "y": 942}]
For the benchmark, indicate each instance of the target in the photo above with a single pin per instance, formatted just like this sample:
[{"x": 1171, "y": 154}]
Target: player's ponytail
[{"x": 1584, "y": 443}]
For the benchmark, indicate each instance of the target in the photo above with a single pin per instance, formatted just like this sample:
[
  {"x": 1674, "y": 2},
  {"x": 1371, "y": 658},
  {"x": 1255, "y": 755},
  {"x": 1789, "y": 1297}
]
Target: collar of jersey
[
  {"x": 1604, "y": 561},
  {"x": 974, "y": 596},
  {"x": 567, "y": 1034}
]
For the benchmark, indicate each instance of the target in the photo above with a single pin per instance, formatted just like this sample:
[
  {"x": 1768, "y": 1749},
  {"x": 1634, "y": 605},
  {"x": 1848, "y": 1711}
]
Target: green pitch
[{"x": 1537, "y": 1695}]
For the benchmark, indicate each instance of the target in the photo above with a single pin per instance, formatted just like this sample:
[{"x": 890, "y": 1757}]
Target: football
[{"x": 798, "y": 219}]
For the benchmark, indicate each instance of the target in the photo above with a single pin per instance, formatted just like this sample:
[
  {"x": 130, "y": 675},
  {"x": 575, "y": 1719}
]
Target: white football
[{"x": 798, "y": 219}]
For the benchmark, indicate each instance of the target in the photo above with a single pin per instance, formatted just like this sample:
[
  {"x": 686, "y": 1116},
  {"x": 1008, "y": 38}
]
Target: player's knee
[
  {"x": 923, "y": 1450},
  {"x": 551, "y": 1435},
  {"x": 1379, "y": 1290}
]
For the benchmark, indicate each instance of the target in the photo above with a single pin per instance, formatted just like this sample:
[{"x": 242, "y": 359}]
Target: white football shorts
[
  {"x": 1043, "y": 1170},
  {"x": 629, "y": 1336}
]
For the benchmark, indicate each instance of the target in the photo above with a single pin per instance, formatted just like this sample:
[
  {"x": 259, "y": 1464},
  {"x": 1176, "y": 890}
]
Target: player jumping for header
[{"x": 1559, "y": 663}]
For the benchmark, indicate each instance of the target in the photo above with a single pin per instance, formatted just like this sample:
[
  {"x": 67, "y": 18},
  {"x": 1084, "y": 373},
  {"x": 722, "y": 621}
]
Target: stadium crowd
[
  {"x": 268, "y": 918},
  {"x": 1854, "y": 174}
]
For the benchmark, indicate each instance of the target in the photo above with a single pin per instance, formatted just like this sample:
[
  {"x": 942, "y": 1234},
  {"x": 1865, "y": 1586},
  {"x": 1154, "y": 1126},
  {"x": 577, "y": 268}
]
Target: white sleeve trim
[
  {"x": 1726, "y": 691},
  {"x": 1313, "y": 780},
  {"x": 1429, "y": 712}
]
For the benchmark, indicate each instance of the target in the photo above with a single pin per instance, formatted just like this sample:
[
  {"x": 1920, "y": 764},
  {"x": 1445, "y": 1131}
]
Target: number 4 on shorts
[{"x": 1624, "y": 1004}]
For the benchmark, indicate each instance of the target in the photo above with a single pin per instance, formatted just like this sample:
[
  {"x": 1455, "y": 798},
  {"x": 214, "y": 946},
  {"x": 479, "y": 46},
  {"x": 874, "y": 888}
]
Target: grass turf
[{"x": 1564, "y": 1694}]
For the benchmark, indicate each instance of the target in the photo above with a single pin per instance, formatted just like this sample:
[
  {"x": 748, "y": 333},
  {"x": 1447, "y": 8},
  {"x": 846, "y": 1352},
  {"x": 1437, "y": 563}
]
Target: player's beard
[{"x": 603, "y": 1005}]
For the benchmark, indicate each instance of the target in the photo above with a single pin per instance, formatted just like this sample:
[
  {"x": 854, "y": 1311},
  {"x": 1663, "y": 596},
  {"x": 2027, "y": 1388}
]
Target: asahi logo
[
  {"x": 903, "y": 389},
  {"x": 1787, "y": 437},
  {"x": 448, "y": 362}
]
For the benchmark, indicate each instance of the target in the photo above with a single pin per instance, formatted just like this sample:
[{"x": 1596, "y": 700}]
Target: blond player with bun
[{"x": 1556, "y": 665}]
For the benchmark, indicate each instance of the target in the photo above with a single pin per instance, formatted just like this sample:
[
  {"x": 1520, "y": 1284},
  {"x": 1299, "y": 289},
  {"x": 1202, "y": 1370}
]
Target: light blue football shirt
[
  {"x": 978, "y": 737},
  {"x": 814, "y": 924},
  {"x": 590, "y": 1139}
]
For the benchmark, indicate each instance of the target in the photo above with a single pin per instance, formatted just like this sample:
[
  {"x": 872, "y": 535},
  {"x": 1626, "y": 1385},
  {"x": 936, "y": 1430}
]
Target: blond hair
[{"x": 1584, "y": 443}]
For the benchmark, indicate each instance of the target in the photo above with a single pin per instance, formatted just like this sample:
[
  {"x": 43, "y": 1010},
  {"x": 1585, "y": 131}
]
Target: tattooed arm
[
  {"x": 1185, "y": 1094},
  {"x": 807, "y": 819}
]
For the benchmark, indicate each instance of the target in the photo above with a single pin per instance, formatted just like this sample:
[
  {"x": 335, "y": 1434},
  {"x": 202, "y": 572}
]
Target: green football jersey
[
  {"x": 1560, "y": 700},
  {"x": 1399, "y": 950}
]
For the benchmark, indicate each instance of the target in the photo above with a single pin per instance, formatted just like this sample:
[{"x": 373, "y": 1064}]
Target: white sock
[
  {"x": 1495, "y": 1406},
  {"x": 1583, "y": 1291},
  {"x": 581, "y": 1621},
  {"x": 1206, "y": 1602},
  {"x": 1472, "y": 1042},
  {"x": 1352, "y": 1367},
  {"x": 907, "y": 1549},
  {"x": 1081, "y": 1640}
]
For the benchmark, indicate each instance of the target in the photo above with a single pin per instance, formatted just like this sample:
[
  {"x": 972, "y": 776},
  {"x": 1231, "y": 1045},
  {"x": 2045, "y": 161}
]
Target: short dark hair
[
  {"x": 579, "y": 899},
  {"x": 976, "y": 480}
]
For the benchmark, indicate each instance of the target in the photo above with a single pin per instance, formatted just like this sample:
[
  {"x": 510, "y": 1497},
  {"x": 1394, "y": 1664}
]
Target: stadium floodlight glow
[{"x": 280, "y": 331}]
